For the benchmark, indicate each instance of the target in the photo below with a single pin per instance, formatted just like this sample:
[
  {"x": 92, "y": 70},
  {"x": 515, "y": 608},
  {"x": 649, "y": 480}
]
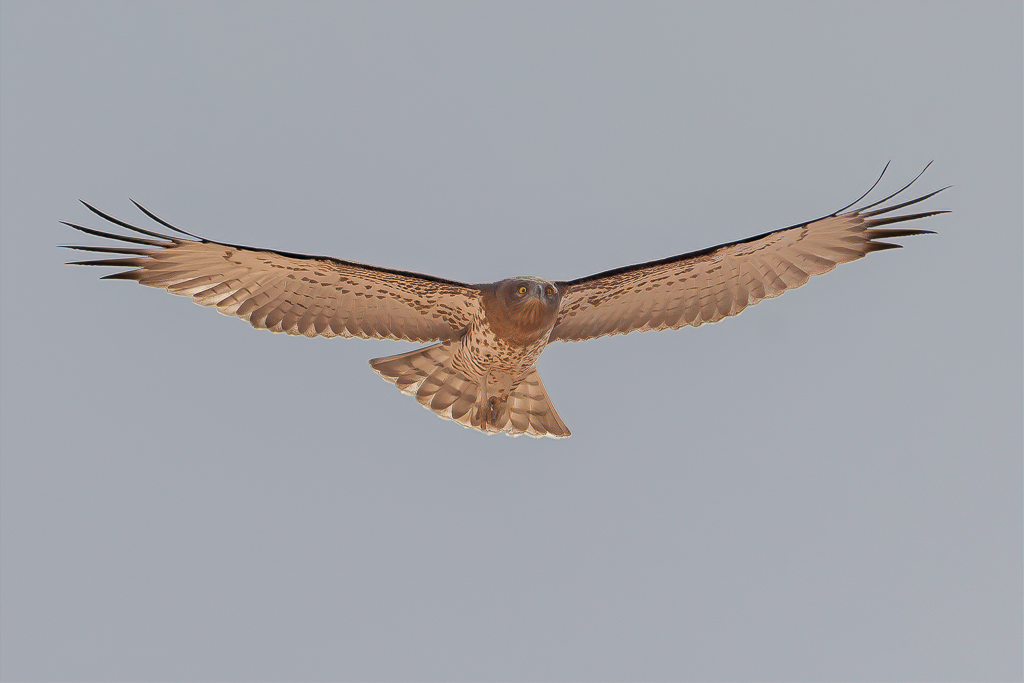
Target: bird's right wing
[
  {"x": 285, "y": 292},
  {"x": 708, "y": 285}
]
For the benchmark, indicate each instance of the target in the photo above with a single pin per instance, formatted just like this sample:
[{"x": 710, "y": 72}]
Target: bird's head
[{"x": 522, "y": 309}]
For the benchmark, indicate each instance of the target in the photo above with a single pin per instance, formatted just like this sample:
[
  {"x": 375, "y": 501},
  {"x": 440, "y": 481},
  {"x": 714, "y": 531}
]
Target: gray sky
[{"x": 827, "y": 487}]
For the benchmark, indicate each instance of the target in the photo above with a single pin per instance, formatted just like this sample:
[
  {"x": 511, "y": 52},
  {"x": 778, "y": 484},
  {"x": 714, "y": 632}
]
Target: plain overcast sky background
[{"x": 828, "y": 487}]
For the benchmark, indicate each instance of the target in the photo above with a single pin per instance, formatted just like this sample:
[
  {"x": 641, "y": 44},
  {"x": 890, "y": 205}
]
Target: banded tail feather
[{"x": 428, "y": 375}]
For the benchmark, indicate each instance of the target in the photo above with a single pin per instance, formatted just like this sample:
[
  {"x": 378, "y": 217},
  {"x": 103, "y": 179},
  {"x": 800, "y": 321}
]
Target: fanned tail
[
  {"x": 428, "y": 375},
  {"x": 530, "y": 410}
]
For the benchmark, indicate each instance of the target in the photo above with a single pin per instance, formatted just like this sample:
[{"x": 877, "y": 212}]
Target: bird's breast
[{"x": 484, "y": 349}]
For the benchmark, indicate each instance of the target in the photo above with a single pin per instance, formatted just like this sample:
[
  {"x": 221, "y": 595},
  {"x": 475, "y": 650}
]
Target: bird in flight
[{"x": 480, "y": 369}]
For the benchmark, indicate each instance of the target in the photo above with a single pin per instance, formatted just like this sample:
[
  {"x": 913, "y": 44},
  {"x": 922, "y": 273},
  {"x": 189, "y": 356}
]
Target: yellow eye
[
  {"x": 522, "y": 289},
  {"x": 550, "y": 291}
]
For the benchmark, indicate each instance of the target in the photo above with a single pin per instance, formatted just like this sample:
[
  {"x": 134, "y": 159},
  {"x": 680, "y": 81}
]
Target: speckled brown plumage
[{"x": 481, "y": 371}]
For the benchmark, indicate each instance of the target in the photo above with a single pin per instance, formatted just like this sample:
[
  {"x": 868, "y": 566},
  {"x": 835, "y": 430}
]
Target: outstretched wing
[
  {"x": 708, "y": 285},
  {"x": 293, "y": 293}
]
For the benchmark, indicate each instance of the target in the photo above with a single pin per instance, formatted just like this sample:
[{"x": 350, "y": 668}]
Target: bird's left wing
[
  {"x": 708, "y": 285},
  {"x": 286, "y": 292}
]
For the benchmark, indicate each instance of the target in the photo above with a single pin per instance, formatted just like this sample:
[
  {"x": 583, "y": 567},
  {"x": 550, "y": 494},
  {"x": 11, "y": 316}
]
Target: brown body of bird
[{"x": 481, "y": 371}]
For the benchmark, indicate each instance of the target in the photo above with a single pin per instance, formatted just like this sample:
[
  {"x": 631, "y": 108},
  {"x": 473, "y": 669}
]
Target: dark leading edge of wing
[
  {"x": 171, "y": 238},
  {"x": 874, "y": 246}
]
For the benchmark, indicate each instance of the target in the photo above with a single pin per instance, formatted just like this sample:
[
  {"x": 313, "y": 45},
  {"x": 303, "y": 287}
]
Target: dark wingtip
[
  {"x": 117, "y": 221},
  {"x": 872, "y": 223},
  {"x": 161, "y": 221},
  {"x": 115, "y": 236},
  {"x": 886, "y": 233},
  {"x": 873, "y": 186},
  {"x": 120, "y": 262},
  {"x": 881, "y": 246},
  {"x": 94, "y": 209},
  {"x": 126, "y": 275}
]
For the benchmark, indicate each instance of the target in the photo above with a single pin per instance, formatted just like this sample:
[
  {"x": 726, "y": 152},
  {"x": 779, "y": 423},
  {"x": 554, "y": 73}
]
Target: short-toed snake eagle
[{"x": 480, "y": 370}]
